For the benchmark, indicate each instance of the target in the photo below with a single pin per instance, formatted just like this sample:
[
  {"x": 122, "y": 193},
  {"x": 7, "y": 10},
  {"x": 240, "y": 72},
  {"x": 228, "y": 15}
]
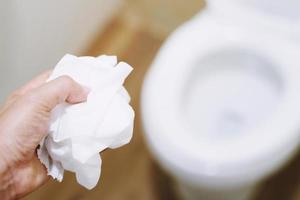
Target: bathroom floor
[{"x": 130, "y": 172}]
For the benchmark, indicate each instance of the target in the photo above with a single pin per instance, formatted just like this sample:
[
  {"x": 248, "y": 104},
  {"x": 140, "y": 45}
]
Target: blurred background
[{"x": 34, "y": 36}]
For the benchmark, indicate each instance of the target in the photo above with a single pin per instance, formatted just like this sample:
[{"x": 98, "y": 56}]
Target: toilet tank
[{"x": 35, "y": 34}]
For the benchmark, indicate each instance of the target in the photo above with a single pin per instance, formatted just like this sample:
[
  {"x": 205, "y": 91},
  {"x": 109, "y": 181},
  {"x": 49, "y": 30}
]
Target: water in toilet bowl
[{"x": 230, "y": 94}]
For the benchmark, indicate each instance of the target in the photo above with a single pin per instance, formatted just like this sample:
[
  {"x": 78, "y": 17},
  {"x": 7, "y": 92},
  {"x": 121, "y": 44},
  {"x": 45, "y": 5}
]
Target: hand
[{"x": 24, "y": 121}]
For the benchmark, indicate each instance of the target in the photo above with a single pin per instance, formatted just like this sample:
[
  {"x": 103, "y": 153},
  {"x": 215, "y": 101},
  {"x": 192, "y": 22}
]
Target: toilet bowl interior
[{"x": 230, "y": 93}]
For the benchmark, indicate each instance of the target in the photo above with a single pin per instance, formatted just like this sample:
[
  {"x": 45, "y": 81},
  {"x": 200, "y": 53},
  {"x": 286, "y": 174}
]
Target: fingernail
[{"x": 87, "y": 90}]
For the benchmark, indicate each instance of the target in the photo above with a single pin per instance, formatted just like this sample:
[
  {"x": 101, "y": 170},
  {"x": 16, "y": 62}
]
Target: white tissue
[{"x": 79, "y": 132}]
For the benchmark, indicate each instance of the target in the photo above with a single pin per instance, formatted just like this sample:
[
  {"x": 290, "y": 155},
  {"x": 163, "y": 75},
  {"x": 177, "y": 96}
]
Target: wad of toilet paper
[{"x": 78, "y": 132}]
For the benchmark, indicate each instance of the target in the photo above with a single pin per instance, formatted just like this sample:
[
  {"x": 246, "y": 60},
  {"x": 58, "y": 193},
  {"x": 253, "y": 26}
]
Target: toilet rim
[
  {"x": 248, "y": 13},
  {"x": 207, "y": 160}
]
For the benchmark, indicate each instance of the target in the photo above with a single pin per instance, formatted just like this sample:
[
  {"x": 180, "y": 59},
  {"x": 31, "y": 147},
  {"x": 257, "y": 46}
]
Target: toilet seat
[{"x": 230, "y": 162}]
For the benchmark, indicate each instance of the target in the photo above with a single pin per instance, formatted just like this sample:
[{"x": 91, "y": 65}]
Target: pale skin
[{"x": 24, "y": 121}]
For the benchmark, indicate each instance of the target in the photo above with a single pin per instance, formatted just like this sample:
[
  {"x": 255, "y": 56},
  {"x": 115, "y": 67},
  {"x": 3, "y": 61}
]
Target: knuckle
[{"x": 30, "y": 98}]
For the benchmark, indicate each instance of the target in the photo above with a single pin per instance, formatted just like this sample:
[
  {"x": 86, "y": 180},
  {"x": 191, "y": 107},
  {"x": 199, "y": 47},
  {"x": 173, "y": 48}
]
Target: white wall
[{"x": 35, "y": 34}]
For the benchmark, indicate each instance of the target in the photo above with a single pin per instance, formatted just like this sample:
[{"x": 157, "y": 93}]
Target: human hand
[{"x": 24, "y": 121}]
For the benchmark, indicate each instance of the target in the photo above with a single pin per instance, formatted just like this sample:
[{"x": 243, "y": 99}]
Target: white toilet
[{"x": 221, "y": 102}]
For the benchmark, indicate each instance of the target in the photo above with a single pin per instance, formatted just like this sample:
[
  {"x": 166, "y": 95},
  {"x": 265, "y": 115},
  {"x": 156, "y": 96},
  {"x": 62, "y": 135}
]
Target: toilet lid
[
  {"x": 165, "y": 119},
  {"x": 282, "y": 16}
]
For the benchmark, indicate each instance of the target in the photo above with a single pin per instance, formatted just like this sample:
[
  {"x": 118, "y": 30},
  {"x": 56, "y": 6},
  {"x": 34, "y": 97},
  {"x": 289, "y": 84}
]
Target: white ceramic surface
[{"x": 220, "y": 103}]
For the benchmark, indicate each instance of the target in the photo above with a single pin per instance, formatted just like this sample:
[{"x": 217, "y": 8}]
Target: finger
[
  {"x": 62, "y": 89},
  {"x": 35, "y": 83},
  {"x": 30, "y": 177}
]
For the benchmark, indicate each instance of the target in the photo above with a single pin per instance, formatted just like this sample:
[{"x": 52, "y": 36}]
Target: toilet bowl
[{"x": 220, "y": 103}]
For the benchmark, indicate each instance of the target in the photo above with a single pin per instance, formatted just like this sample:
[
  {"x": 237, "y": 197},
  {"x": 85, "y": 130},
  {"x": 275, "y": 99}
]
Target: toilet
[{"x": 221, "y": 101}]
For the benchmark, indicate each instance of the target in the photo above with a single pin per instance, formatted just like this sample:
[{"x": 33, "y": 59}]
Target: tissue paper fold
[{"x": 79, "y": 132}]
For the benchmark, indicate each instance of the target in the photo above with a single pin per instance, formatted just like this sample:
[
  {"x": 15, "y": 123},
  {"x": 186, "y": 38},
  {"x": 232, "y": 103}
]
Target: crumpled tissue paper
[{"x": 79, "y": 132}]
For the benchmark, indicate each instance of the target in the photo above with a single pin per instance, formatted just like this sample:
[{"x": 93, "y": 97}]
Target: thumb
[
  {"x": 62, "y": 89},
  {"x": 25, "y": 123}
]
